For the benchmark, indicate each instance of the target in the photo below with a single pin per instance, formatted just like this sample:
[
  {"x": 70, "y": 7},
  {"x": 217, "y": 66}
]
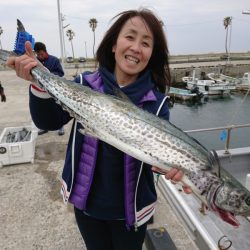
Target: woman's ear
[{"x": 114, "y": 48}]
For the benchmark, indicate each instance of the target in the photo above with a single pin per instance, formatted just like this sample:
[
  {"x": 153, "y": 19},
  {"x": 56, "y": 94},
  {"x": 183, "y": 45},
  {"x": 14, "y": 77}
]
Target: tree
[
  {"x": 70, "y": 34},
  {"x": 227, "y": 21},
  {"x": 93, "y": 25},
  {"x": 1, "y": 32}
]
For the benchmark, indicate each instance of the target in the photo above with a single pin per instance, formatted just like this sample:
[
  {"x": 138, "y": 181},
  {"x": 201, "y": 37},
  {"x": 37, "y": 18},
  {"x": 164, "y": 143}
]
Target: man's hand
[{"x": 175, "y": 175}]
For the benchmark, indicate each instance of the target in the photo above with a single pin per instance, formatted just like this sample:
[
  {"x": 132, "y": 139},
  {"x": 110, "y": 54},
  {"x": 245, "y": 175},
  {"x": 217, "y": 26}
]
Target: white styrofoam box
[{"x": 20, "y": 151}]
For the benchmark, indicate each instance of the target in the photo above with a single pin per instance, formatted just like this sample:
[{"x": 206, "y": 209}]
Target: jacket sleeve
[
  {"x": 57, "y": 68},
  {"x": 45, "y": 112}
]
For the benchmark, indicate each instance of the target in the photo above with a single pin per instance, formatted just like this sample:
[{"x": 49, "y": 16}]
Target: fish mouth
[{"x": 226, "y": 216}]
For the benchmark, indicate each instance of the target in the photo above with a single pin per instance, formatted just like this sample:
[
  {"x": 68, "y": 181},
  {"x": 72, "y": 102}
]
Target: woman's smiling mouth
[{"x": 132, "y": 59}]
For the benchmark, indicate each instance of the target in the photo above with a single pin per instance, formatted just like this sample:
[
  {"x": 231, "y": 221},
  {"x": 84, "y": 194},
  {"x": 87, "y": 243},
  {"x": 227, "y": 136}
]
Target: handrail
[{"x": 228, "y": 128}]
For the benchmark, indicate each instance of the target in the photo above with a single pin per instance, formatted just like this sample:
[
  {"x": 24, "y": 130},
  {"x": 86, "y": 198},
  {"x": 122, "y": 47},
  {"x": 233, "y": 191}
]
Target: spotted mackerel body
[{"x": 147, "y": 138}]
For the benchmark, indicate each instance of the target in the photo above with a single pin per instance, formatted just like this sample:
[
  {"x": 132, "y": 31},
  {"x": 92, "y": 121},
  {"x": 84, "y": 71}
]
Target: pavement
[{"x": 32, "y": 213}]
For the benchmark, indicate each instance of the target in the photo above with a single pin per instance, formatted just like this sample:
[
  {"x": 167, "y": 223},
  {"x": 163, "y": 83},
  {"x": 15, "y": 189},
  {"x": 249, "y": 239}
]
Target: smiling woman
[
  {"x": 149, "y": 28},
  {"x": 133, "y": 50},
  {"x": 113, "y": 193}
]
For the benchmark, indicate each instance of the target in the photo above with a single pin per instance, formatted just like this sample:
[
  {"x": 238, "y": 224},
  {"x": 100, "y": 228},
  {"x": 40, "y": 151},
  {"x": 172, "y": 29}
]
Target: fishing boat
[
  {"x": 223, "y": 78},
  {"x": 244, "y": 84},
  {"x": 211, "y": 86},
  {"x": 185, "y": 94},
  {"x": 186, "y": 79},
  {"x": 241, "y": 84}
]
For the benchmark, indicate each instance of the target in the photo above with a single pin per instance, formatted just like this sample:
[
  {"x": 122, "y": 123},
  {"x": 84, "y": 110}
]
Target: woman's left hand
[{"x": 175, "y": 175}]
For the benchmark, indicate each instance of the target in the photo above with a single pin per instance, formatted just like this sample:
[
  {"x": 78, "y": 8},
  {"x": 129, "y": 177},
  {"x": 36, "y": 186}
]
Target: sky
[{"x": 191, "y": 26}]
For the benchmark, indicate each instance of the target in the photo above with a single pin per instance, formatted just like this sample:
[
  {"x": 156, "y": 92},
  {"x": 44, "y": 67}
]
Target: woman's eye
[
  {"x": 145, "y": 44},
  {"x": 129, "y": 37}
]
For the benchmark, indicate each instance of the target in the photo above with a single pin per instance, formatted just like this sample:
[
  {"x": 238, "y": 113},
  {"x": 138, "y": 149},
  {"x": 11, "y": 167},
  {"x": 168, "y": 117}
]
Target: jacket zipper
[
  {"x": 73, "y": 156},
  {"x": 137, "y": 183}
]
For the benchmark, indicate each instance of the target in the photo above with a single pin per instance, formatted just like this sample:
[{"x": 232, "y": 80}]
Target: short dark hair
[
  {"x": 39, "y": 46},
  {"x": 158, "y": 63}
]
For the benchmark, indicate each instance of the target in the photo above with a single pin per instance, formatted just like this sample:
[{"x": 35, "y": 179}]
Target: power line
[
  {"x": 83, "y": 18},
  {"x": 242, "y": 20},
  {"x": 188, "y": 24}
]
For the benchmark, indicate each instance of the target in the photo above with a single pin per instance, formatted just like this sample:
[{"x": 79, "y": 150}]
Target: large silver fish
[{"x": 147, "y": 138}]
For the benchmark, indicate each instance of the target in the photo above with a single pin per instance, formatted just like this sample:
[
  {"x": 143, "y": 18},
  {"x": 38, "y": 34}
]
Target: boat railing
[{"x": 228, "y": 128}]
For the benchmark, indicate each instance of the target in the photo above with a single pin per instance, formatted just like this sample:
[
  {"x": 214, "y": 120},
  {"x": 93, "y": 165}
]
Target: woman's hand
[
  {"x": 175, "y": 175},
  {"x": 23, "y": 64}
]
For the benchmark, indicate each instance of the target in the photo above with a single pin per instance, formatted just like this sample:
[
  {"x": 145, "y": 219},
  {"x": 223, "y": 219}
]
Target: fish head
[
  {"x": 228, "y": 200},
  {"x": 232, "y": 198},
  {"x": 229, "y": 197},
  {"x": 224, "y": 214}
]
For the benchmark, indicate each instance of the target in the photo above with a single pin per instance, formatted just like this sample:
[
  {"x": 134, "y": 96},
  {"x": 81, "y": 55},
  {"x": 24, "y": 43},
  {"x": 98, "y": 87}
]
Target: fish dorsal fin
[
  {"x": 215, "y": 162},
  {"x": 118, "y": 93}
]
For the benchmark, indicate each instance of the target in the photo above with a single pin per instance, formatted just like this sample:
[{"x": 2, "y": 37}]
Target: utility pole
[
  {"x": 63, "y": 27},
  {"x": 85, "y": 49},
  {"x": 60, "y": 31}
]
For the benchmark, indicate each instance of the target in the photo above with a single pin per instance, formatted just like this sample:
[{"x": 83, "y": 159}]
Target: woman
[{"x": 113, "y": 194}]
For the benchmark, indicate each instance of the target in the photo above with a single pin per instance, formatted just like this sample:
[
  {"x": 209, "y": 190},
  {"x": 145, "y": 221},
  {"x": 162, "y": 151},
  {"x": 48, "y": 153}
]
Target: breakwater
[{"x": 229, "y": 69}]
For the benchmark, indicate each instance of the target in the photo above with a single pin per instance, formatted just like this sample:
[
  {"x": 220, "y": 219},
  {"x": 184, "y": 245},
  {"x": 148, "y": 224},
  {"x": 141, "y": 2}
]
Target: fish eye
[{"x": 247, "y": 200}]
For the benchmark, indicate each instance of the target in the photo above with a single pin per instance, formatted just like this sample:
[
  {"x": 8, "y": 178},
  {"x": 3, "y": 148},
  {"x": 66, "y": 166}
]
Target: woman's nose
[{"x": 136, "y": 46}]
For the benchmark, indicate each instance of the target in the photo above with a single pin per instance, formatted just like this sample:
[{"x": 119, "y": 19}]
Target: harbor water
[{"x": 215, "y": 112}]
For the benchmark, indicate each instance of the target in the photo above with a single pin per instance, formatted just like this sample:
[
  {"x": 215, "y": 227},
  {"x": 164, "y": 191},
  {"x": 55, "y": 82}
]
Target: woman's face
[{"x": 132, "y": 50}]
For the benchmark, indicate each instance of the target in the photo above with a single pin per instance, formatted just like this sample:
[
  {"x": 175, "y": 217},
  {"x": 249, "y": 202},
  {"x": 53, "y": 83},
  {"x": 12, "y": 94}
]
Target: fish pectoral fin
[
  {"x": 87, "y": 132},
  {"x": 203, "y": 209}
]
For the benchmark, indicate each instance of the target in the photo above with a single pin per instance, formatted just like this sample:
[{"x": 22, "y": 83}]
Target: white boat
[
  {"x": 223, "y": 78},
  {"x": 185, "y": 94},
  {"x": 188, "y": 79},
  {"x": 212, "y": 87},
  {"x": 244, "y": 82}
]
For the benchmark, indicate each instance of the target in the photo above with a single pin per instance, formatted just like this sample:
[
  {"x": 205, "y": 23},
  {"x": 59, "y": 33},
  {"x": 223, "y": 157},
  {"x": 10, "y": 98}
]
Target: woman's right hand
[{"x": 23, "y": 64}]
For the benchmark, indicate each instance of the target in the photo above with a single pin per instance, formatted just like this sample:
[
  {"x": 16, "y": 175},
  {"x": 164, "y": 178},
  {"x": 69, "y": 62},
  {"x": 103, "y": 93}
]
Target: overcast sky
[{"x": 191, "y": 26}]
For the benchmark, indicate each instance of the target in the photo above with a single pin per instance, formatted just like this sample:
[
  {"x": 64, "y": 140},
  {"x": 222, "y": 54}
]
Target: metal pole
[
  {"x": 63, "y": 40},
  {"x": 60, "y": 31},
  {"x": 228, "y": 140},
  {"x": 85, "y": 49}
]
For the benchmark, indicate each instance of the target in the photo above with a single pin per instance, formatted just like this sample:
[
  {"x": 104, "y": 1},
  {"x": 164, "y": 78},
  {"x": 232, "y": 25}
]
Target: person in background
[
  {"x": 53, "y": 64},
  {"x": 2, "y": 94},
  {"x": 113, "y": 194}
]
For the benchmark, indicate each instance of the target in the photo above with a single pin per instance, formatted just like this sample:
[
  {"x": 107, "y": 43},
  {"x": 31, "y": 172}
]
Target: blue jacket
[
  {"x": 53, "y": 65},
  {"x": 142, "y": 193}
]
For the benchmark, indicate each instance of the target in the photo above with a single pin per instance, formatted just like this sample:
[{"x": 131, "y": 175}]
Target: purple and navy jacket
[{"x": 139, "y": 191}]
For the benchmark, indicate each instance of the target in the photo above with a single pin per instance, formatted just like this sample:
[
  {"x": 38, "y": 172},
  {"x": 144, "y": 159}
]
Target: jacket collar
[{"x": 104, "y": 81}]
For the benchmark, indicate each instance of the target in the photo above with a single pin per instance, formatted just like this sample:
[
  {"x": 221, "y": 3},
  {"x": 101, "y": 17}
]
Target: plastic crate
[{"x": 20, "y": 151}]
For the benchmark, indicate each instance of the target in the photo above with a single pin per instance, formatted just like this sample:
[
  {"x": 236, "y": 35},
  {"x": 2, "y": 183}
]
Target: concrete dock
[{"x": 32, "y": 213}]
